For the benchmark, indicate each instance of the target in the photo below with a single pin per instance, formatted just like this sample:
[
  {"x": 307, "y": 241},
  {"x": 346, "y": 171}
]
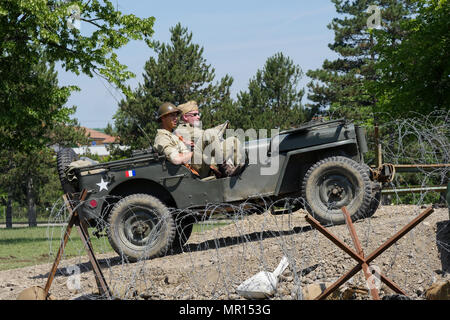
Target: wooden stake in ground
[
  {"x": 84, "y": 234},
  {"x": 363, "y": 263}
]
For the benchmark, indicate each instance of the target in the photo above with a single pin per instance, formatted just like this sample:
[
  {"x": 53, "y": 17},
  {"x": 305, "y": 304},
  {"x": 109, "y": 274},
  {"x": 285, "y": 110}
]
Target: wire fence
[
  {"x": 222, "y": 253},
  {"x": 229, "y": 244}
]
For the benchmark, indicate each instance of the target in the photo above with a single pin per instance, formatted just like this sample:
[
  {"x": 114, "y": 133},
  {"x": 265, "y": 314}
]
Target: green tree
[
  {"x": 110, "y": 130},
  {"x": 30, "y": 179},
  {"x": 30, "y": 104},
  {"x": 25, "y": 173},
  {"x": 273, "y": 99},
  {"x": 340, "y": 86},
  {"x": 37, "y": 30},
  {"x": 414, "y": 72},
  {"x": 178, "y": 74}
]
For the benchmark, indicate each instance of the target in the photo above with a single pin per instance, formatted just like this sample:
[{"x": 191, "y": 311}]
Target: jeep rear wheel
[
  {"x": 140, "y": 227},
  {"x": 333, "y": 183}
]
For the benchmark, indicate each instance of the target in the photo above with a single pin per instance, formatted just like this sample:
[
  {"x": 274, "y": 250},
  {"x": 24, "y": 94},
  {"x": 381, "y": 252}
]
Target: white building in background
[
  {"x": 98, "y": 143},
  {"x": 97, "y": 150}
]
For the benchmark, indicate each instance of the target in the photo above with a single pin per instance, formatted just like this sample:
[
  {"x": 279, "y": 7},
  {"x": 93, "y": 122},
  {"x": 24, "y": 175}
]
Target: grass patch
[
  {"x": 22, "y": 247},
  {"x": 202, "y": 227},
  {"x": 26, "y": 246}
]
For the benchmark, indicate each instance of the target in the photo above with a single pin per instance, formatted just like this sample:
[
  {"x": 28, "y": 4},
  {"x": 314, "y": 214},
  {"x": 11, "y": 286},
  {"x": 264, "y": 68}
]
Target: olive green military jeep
[{"x": 147, "y": 205}]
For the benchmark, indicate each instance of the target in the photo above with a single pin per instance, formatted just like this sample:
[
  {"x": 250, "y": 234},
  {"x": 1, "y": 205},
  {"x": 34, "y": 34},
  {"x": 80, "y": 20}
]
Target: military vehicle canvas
[{"x": 148, "y": 205}]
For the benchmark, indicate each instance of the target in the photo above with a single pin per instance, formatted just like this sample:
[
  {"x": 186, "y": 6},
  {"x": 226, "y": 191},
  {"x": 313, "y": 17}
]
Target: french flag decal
[{"x": 130, "y": 173}]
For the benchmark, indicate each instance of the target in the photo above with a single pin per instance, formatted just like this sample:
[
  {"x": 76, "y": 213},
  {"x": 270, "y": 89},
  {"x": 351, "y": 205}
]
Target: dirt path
[{"x": 216, "y": 261}]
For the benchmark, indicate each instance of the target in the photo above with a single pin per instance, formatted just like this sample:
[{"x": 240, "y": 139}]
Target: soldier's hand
[
  {"x": 186, "y": 157},
  {"x": 181, "y": 158}
]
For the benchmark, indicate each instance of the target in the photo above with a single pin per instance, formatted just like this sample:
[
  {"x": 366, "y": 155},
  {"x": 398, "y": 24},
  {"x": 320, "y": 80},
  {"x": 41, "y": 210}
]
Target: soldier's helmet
[{"x": 167, "y": 108}]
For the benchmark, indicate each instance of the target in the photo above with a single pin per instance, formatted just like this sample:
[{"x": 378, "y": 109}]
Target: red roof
[{"x": 99, "y": 136}]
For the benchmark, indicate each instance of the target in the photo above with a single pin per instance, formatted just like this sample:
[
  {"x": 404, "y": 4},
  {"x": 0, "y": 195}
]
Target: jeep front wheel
[
  {"x": 140, "y": 227},
  {"x": 333, "y": 183}
]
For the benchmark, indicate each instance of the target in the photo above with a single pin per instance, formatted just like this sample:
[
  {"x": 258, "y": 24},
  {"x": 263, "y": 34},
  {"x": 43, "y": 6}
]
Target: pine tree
[
  {"x": 273, "y": 99},
  {"x": 177, "y": 75},
  {"x": 341, "y": 86},
  {"x": 414, "y": 73}
]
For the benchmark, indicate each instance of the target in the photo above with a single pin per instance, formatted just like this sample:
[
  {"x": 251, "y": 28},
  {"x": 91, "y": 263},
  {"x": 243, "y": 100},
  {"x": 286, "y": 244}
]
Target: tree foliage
[
  {"x": 41, "y": 30},
  {"x": 341, "y": 86},
  {"x": 414, "y": 72},
  {"x": 25, "y": 173},
  {"x": 32, "y": 105},
  {"x": 47, "y": 24},
  {"x": 273, "y": 99},
  {"x": 178, "y": 74}
]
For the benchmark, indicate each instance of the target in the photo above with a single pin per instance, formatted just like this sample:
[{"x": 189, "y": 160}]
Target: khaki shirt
[
  {"x": 168, "y": 144},
  {"x": 188, "y": 132},
  {"x": 209, "y": 144}
]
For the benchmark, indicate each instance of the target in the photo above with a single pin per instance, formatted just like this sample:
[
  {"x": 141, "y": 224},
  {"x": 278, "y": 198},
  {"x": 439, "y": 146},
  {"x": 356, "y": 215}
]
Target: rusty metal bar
[
  {"x": 399, "y": 234},
  {"x": 378, "y": 146},
  {"x": 419, "y": 167},
  {"x": 359, "y": 250},
  {"x": 62, "y": 246},
  {"x": 84, "y": 234},
  {"x": 359, "y": 257},
  {"x": 365, "y": 266},
  {"x": 392, "y": 285},
  {"x": 352, "y": 231},
  {"x": 99, "y": 277},
  {"x": 405, "y": 168},
  {"x": 438, "y": 165},
  {"x": 72, "y": 220},
  {"x": 415, "y": 190},
  {"x": 343, "y": 279},
  {"x": 347, "y": 276},
  {"x": 316, "y": 224}
]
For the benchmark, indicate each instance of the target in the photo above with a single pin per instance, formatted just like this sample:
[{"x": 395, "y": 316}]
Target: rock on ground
[{"x": 215, "y": 262}]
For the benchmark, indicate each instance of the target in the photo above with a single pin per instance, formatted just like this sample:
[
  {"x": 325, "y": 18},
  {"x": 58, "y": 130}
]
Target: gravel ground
[{"x": 214, "y": 262}]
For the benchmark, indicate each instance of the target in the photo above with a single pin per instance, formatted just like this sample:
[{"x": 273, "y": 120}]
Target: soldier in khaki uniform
[
  {"x": 224, "y": 154},
  {"x": 170, "y": 145}
]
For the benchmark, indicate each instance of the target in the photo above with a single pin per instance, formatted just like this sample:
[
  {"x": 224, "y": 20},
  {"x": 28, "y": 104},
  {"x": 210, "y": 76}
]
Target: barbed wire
[{"x": 230, "y": 243}]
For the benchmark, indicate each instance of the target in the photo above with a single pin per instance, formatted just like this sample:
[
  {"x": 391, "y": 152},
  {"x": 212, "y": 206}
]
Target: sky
[{"x": 237, "y": 37}]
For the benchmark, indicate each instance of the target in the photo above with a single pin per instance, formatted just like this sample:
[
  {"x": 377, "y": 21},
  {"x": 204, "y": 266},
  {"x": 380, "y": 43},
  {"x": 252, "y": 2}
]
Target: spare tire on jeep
[
  {"x": 333, "y": 183},
  {"x": 64, "y": 158},
  {"x": 376, "y": 193}
]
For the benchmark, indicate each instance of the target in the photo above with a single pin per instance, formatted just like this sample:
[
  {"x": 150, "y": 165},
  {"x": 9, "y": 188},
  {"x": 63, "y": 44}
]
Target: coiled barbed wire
[{"x": 231, "y": 243}]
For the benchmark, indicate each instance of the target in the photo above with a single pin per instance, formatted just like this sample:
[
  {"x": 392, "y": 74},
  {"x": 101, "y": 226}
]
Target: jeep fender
[
  {"x": 291, "y": 182},
  {"x": 142, "y": 186}
]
